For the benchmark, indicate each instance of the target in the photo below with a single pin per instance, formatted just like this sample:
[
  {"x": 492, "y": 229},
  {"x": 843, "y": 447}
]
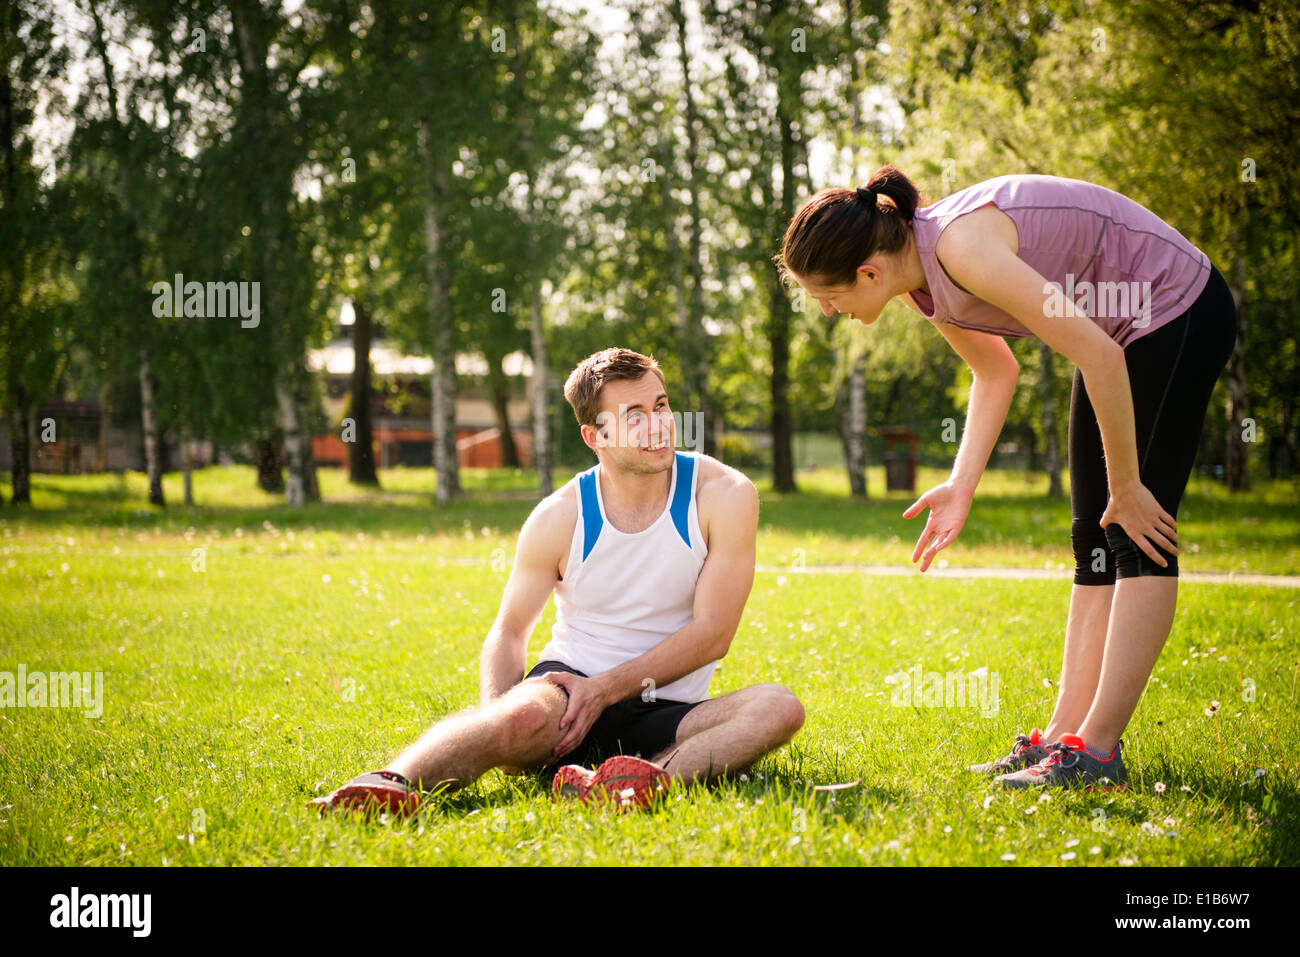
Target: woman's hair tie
[{"x": 867, "y": 195}]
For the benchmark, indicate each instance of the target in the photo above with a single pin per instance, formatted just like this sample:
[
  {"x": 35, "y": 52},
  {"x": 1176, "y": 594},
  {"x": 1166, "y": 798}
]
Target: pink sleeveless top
[{"x": 1120, "y": 263}]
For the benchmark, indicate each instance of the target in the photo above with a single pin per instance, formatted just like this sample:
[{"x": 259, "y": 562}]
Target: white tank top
[{"x": 623, "y": 593}]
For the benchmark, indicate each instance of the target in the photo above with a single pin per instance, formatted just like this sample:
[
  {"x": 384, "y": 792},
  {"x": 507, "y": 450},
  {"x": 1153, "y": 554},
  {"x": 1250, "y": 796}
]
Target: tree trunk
[
  {"x": 779, "y": 330},
  {"x": 856, "y": 433},
  {"x": 443, "y": 385},
  {"x": 696, "y": 360},
  {"x": 270, "y": 474},
  {"x": 541, "y": 388},
  {"x": 301, "y": 487},
  {"x": 152, "y": 436},
  {"x": 20, "y": 448},
  {"x": 187, "y": 468},
  {"x": 673, "y": 251},
  {"x": 541, "y": 409},
  {"x": 499, "y": 391},
  {"x": 361, "y": 450},
  {"x": 1236, "y": 475},
  {"x": 1051, "y": 439}
]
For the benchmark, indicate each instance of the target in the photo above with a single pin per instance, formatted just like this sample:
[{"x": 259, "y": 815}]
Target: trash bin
[
  {"x": 900, "y": 458},
  {"x": 898, "y": 472}
]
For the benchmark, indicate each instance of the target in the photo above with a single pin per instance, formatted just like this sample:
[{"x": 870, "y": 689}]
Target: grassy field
[{"x": 255, "y": 656}]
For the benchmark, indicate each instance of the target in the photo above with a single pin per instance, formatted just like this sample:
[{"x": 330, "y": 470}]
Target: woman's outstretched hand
[
  {"x": 949, "y": 505},
  {"x": 1136, "y": 510}
]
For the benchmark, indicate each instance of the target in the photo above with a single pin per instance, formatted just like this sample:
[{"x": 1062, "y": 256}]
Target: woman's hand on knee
[{"x": 1144, "y": 520}]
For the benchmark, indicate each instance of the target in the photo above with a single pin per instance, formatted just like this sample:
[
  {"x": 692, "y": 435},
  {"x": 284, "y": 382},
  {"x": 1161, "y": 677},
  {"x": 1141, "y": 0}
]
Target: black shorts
[
  {"x": 634, "y": 726},
  {"x": 1171, "y": 374}
]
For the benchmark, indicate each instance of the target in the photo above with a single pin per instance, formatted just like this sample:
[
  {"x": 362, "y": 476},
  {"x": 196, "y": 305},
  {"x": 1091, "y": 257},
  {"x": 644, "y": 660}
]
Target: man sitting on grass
[{"x": 650, "y": 554}]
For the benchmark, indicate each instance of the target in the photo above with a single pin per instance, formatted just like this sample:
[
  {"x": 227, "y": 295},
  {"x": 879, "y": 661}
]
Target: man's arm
[
  {"x": 721, "y": 590},
  {"x": 532, "y": 579}
]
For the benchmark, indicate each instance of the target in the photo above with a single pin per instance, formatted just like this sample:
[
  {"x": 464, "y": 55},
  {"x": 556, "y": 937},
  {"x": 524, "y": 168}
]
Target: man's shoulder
[
  {"x": 556, "y": 514},
  {"x": 720, "y": 486}
]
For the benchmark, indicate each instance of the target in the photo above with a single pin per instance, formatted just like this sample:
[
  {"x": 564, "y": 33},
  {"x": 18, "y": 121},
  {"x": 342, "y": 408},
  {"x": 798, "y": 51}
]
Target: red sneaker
[
  {"x": 629, "y": 782},
  {"x": 623, "y": 780},
  {"x": 572, "y": 781},
  {"x": 377, "y": 791}
]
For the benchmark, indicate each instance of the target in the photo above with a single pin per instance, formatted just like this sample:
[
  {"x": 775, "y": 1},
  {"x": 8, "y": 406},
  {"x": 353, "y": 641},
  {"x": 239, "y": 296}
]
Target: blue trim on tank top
[
  {"x": 681, "y": 507},
  {"x": 591, "y": 520}
]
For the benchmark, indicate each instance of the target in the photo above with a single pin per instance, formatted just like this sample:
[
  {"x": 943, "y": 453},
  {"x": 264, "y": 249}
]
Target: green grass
[{"x": 315, "y": 643}]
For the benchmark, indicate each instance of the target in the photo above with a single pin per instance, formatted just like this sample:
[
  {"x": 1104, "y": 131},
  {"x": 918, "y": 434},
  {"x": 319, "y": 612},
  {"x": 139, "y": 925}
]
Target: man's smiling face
[{"x": 635, "y": 426}]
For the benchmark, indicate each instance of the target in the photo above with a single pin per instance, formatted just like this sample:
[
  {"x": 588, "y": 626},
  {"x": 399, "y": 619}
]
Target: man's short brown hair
[{"x": 609, "y": 365}]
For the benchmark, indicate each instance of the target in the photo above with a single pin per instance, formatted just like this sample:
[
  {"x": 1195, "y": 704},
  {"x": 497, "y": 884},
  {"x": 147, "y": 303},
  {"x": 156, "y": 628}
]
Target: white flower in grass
[
  {"x": 1008, "y": 856},
  {"x": 1171, "y": 822},
  {"x": 1044, "y": 798},
  {"x": 1259, "y": 773},
  {"x": 1160, "y": 787},
  {"x": 1094, "y": 850},
  {"x": 1186, "y": 788},
  {"x": 1073, "y": 842},
  {"x": 1068, "y": 856},
  {"x": 1032, "y": 809},
  {"x": 1126, "y": 862}
]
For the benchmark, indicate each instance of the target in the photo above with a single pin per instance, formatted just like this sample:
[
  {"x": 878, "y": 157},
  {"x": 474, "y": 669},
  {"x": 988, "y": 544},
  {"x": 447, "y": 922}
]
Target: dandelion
[
  {"x": 1008, "y": 856},
  {"x": 1068, "y": 856},
  {"x": 1094, "y": 850},
  {"x": 1160, "y": 787},
  {"x": 1073, "y": 842},
  {"x": 1171, "y": 822},
  {"x": 1259, "y": 773},
  {"x": 1186, "y": 788},
  {"x": 1044, "y": 798}
]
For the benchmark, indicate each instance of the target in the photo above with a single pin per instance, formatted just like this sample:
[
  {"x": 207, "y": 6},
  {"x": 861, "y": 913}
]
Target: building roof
[{"x": 335, "y": 359}]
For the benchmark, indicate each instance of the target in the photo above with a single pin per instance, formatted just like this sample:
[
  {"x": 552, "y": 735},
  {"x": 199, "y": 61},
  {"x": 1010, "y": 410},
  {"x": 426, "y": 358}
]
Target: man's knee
[
  {"x": 779, "y": 705},
  {"x": 531, "y": 711}
]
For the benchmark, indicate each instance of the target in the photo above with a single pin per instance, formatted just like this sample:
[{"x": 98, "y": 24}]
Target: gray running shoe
[
  {"x": 1069, "y": 765},
  {"x": 1025, "y": 753}
]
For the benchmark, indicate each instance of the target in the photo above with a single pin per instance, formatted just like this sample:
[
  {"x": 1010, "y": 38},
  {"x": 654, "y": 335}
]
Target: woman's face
[{"x": 863, "y": 301}]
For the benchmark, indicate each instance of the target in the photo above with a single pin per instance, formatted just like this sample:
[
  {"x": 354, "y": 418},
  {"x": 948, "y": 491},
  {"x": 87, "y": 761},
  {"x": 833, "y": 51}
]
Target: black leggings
[{"x": 1171, "y": 373}]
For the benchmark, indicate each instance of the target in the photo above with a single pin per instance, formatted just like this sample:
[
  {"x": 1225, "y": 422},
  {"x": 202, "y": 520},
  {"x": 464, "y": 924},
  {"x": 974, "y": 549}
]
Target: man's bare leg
[
  {"x": 726, "y": 735},
  {"x": 518, "y": 729}
]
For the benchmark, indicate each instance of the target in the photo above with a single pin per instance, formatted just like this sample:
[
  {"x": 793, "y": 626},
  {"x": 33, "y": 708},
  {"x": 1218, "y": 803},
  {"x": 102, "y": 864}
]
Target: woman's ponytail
[{"x": 839, "y": 229}]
